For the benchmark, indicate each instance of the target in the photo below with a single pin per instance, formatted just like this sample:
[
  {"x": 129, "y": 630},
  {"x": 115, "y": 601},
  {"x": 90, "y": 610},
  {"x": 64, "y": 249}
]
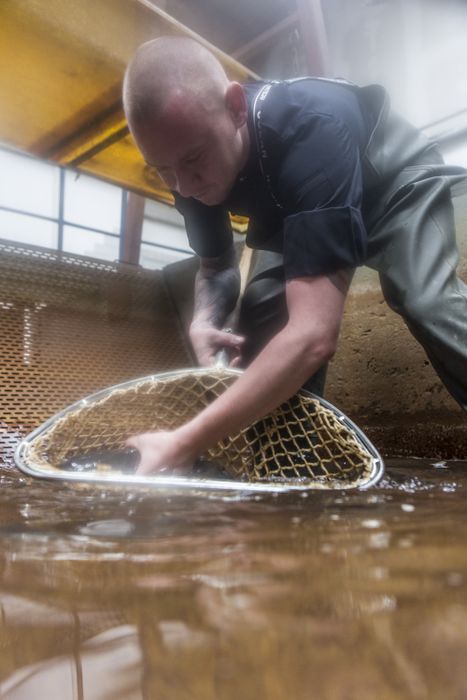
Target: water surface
[{"x": 115, "y": 593}]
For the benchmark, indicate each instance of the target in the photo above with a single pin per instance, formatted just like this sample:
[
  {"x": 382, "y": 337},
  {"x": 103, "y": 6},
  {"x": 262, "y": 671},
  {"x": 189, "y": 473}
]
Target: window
[
  {"x": 163, "y": 238},
  {"x": 92, "y": 203},
  {"x": 44, "y": 205},
  {"x": 29, "y": 185}
]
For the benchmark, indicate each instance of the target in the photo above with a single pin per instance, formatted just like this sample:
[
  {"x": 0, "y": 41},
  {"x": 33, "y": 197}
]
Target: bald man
[{"x": 330, "y": 179}]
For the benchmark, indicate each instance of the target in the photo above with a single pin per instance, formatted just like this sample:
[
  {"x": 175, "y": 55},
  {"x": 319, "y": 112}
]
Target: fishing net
[{"x": 304, "y": 439}]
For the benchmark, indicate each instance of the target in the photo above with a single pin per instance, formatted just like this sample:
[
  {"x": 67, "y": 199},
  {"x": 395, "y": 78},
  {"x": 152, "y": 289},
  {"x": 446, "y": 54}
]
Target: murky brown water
[{"x": 110, "y": 594}]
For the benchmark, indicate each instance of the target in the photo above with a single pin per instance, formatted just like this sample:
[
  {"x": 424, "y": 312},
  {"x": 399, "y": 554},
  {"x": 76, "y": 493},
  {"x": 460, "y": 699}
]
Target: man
[{"x": 330, "y": 179}]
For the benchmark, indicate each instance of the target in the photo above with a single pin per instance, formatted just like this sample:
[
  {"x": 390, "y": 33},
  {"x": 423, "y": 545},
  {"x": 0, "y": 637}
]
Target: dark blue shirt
[{"x": 302, "y": 185}]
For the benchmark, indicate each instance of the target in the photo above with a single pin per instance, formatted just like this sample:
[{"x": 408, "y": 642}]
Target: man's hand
[
  {"x": 207, "y": 341},
  {"x": 162, "y": 452}
]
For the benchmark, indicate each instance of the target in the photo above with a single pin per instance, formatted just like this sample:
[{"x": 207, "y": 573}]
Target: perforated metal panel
[{"x": 70, "y": 326}]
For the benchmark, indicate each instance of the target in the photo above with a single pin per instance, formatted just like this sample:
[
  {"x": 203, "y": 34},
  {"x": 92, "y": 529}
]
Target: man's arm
[
  {"x": 217, "y": 286},
  {"x": 307, "y": 341}
]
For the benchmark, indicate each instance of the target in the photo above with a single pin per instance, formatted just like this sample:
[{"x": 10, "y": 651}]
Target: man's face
[{"x": 197, "y": 152}]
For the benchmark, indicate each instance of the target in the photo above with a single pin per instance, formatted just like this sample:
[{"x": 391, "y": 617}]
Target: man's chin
[
  {"x": 209, "y": 200},
  {"x": 211, "y": 197}
]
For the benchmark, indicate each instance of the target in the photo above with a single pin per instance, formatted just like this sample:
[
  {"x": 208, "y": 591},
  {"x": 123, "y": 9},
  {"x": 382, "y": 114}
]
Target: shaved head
[
  {"x": 167, "y": 69},
  {"x": 187, "y": 119}
]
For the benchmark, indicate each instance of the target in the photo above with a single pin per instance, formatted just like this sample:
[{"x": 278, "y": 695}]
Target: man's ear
[{"x": 236, "y": 104}]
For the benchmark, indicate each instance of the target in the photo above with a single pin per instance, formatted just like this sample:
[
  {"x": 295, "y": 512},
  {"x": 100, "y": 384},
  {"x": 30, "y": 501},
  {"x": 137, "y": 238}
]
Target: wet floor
[{"x": 109, "y": 594}]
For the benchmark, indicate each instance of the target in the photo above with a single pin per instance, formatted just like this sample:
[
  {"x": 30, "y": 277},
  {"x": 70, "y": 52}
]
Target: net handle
[{"x": 222, "y": 357}]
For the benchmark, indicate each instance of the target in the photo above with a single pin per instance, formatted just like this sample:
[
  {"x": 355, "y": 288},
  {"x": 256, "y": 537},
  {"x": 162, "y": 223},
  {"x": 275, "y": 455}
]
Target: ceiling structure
[
  {"x": 61, "y": 93},
  {"x": 274, "y": 38}
]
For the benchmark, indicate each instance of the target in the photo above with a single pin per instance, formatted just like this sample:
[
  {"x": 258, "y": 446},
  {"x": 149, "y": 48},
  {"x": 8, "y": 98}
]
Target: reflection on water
[{"x": 131, "y": 594}]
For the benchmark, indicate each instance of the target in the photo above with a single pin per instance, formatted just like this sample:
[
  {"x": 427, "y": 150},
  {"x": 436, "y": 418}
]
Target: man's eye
[{"x": 193, "y": 159}]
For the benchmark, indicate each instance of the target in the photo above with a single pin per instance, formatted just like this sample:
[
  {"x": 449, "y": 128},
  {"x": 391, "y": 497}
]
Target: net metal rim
[{"x": 26, "y": 465}]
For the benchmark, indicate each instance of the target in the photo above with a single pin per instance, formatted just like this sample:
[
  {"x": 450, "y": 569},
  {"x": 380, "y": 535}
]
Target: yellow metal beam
[{"x": 60, "y": 84}]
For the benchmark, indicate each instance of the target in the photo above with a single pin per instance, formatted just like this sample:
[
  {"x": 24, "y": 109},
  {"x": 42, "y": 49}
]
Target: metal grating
[{"x": 70, "y": 326}]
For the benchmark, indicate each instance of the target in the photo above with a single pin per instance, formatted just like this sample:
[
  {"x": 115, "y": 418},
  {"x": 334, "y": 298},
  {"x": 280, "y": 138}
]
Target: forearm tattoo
[{"x": 217, "y": 286}]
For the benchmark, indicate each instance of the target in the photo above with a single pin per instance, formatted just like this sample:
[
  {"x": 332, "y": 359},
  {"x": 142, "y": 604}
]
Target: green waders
[{"x": 409, "y": 218}]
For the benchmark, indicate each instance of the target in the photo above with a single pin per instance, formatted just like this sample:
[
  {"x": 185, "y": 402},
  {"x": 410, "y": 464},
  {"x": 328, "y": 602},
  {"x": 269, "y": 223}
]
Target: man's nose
[{"x": 187, "y": 183}]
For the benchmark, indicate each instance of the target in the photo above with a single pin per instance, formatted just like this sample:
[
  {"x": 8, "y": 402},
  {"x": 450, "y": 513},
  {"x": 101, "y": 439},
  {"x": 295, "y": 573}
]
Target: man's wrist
[
  {"x": 190, "y": 444},
  {"x": 202, "y": 323}
]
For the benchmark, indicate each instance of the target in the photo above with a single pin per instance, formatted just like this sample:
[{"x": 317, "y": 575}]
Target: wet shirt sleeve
[
  {"x": 208, "y": 228},
  {"x": 320, "y": 185}
]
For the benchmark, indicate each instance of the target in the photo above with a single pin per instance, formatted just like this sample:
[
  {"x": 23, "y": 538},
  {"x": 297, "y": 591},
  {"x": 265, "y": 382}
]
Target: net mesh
[{"x": 302, "y": 439}]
